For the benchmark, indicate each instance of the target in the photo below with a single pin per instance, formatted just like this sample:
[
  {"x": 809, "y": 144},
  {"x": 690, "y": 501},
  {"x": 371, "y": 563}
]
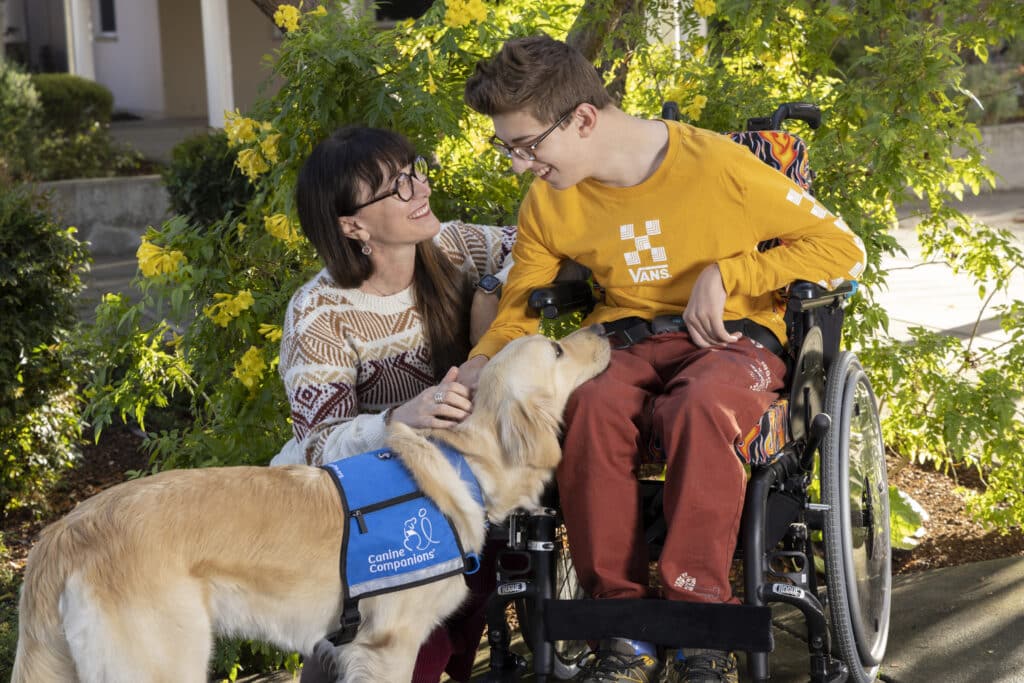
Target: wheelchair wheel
[
  {"x": 858, "y": 554},
  {"x": 568, "y": 653}
]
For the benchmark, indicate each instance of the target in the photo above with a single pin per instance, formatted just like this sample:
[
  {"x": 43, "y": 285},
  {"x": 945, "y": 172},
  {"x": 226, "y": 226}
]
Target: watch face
[{"x": 489, "y": 283}]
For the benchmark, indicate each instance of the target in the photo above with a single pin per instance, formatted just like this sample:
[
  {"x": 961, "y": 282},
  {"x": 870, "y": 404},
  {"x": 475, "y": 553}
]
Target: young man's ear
[{"x": 585, "y": 118}]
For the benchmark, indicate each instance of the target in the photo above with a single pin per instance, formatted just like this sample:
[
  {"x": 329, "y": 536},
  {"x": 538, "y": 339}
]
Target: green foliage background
[
  {"x": 40, "y": 264},
  {"x": 888, "y": 75}
]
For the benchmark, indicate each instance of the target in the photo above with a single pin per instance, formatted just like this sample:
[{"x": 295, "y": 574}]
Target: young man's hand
[
  {"x": 703, "y": 314},
  {"x": 481, "y": 314},
  {"x": 469, "y": 372}
]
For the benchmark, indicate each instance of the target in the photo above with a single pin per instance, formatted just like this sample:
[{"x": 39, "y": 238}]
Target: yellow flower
[
  {"x": 241, "y": 227},
  {"x": 240, "y": 130},
  {"x": 705, "y": 8},
  {"x": 269, "y": 147},
  {"x": 319, "y": 11},
  {"x": 271, "y": 332},
  {"x": 280, "y": 227},
  {"x": 228, "y": 307},
  {"x": 431, "y": 86},
  {"x": 250, "y": 368},
  {"x": 287, "y": 17},
  {"x": 459, "y": 13},
  {"x": 155, "y": 260},
  {"x": 694, "y": 109},
  {"x": 252, "y": 163}
]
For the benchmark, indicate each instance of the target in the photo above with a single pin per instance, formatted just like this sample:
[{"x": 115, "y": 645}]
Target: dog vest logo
[
  {"x": 643, "y": 251},
  {"x": 418, "y": 539},
  {"x": 396, "y": 537}
]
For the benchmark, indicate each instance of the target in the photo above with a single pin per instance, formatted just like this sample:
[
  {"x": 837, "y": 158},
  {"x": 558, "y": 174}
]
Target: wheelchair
[{"x": 815, "y": 527}]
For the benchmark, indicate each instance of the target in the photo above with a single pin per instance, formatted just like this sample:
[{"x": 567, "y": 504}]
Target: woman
[{"x": 378, "y": 334}]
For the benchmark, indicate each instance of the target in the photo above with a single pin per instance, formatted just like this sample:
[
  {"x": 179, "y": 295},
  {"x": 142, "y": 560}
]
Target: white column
[
  {"x": 78, "y": 27},
  {"x": 220, "y": 90}
]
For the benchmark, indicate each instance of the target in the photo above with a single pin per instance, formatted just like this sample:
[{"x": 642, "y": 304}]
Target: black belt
[{"x": 625, "y": 332}]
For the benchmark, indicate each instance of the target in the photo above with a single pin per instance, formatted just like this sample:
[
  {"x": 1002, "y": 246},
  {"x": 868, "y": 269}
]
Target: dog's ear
[{"x": 528, "y": 430}]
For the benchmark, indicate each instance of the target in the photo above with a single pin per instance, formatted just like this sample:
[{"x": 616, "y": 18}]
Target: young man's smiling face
[{"x": 556, "y": 154}]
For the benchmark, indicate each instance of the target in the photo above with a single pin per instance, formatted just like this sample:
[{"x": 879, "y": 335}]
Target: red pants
[{"x": 697, "y": 402}]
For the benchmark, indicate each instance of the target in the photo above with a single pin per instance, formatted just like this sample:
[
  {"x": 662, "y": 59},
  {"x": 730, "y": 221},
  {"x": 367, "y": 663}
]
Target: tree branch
[
  {"x": 597, "y": 21},
  {"x": 268, "y": 7}
]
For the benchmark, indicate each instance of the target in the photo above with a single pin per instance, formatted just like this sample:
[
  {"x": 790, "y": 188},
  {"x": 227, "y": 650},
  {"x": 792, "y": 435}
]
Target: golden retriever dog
[{"x": 132, "y": 585}]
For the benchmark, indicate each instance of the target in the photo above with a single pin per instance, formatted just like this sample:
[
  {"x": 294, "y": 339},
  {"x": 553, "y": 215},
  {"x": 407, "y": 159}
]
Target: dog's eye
[{"x": 558, "y": 349}]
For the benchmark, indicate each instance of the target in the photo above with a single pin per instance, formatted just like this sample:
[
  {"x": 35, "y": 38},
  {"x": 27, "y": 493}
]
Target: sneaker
[
  {"x": 620, "y": 660},
  {"x": 703, "y": 666}
]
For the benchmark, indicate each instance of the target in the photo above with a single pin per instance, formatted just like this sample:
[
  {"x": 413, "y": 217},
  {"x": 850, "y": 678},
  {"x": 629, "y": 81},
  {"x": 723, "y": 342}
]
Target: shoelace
[
  {"x": 709, "y": 665},
  {"x": 610, "y": 665}
]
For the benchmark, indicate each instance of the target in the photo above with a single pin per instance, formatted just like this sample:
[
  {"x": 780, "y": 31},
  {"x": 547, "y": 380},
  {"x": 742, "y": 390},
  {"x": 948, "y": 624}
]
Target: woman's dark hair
[{"x": 328, "y": 187}]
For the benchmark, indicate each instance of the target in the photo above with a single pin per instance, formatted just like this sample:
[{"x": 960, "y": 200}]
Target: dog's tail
[{"x": 43, "y": 655}]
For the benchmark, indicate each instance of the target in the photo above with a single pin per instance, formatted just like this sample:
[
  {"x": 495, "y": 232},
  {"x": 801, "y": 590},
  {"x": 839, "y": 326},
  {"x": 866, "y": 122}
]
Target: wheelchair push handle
[{"x": 800, "y": 111}]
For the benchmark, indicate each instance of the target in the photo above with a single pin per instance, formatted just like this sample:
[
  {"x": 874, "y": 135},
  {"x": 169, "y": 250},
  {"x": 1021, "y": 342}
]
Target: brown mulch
[{"x": 952, "y": 537}]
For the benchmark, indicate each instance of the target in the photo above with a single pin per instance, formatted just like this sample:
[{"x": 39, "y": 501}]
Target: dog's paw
[{"x": 327, "y": 657}]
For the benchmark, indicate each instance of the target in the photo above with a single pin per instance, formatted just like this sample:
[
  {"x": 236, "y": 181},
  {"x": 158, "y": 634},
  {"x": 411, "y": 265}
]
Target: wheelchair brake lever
[{"x": 819, "y": 428}]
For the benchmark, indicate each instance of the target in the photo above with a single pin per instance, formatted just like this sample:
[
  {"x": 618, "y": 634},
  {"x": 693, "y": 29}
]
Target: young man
[{"x": 668, "y": 217}]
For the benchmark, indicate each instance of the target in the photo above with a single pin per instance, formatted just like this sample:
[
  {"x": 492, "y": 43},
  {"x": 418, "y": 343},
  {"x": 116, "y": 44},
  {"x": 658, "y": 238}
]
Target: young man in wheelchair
[{"x": 668, "y": 218}]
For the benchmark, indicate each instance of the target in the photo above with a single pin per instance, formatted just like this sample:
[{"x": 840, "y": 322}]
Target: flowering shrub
[{"x": 886, "y": 75}]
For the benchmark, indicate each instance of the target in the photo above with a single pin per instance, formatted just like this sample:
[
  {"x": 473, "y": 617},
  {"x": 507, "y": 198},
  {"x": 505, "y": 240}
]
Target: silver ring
[{"x": 438, "y": 397}]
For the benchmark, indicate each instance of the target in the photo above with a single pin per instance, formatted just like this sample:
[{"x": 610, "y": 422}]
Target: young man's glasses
[
  {"x": 525, "y": 151},
  {"x": 403, "y": 184}
]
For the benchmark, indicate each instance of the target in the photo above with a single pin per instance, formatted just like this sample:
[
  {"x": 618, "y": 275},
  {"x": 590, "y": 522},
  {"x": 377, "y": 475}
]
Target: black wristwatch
[{"x": 490, "y": 284}]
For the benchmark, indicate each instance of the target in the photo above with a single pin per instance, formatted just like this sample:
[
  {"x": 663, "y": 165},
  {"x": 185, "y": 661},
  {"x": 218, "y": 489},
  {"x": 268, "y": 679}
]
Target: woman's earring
[{"x": 366, "y": 249}]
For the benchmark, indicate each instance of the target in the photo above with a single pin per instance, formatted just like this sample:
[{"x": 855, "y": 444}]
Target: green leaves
[{"x": 39, "y": 283}]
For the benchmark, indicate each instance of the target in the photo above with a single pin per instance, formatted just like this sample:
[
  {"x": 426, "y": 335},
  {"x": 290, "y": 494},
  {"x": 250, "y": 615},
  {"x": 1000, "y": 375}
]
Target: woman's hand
[{"x": 438, "y": 407}]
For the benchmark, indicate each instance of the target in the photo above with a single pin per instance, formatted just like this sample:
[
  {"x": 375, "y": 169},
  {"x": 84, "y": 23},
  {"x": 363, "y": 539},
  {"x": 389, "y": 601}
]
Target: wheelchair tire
[
  {"x": 858, "y": 554},
  {"x": 568, "y": 653}
]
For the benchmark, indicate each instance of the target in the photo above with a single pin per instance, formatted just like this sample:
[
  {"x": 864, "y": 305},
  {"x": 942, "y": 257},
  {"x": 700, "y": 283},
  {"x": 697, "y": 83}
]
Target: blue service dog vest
[{"x": 397, "y": 537}]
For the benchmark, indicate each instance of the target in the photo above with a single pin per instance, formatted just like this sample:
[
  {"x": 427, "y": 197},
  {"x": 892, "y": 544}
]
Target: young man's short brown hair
[{"x": 539, "y": 75}]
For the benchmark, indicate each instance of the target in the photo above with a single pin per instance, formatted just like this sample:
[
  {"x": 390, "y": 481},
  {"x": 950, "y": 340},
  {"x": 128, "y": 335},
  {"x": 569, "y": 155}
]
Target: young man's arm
[
  {"x": 817, "y": 246},
  {"x": 534, "y": 266}
]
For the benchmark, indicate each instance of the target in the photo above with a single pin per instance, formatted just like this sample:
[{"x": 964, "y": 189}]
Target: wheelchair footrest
[{"x": 664, "y": 622}]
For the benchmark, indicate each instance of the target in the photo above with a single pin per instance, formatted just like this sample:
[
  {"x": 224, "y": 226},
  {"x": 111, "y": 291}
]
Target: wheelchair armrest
[
  {"x": 804, "y": 296},
  {"x": 562, "y": 297}
]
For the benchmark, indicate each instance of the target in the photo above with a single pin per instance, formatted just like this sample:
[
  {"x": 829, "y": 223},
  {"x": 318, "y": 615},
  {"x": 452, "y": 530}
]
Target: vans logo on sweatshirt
[{"x": 644, "y": 252}]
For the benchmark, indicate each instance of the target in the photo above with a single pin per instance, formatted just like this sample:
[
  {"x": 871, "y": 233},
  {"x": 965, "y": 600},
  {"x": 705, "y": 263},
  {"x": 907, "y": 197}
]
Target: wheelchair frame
[{"x": 831, "y": 408}]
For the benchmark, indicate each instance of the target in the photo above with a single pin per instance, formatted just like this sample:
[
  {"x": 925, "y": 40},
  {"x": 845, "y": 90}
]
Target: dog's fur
[{"x": 132, "y": 585}]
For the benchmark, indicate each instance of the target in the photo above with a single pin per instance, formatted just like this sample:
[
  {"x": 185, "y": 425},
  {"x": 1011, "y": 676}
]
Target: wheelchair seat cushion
[{"x": 765, "y": 440}]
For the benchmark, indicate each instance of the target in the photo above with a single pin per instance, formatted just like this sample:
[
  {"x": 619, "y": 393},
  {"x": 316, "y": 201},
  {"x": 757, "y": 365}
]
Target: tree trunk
[
  {"x": 268, "y": 7},
  {"x": 597, "y": 21}
]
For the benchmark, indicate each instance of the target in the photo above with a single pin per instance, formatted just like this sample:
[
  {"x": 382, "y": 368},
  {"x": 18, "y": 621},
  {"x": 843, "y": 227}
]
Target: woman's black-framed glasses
[
  {"x": 525, "y": 151},
  {"x": 403, "y": 183}
]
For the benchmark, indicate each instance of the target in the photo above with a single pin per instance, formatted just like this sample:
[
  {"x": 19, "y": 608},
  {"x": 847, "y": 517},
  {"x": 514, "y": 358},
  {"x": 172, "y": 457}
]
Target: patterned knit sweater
[{"x": 346, "y": 355}]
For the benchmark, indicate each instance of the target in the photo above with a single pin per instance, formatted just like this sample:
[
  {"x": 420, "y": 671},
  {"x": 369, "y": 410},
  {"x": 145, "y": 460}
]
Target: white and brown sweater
[{"x": 346, "y": 356}]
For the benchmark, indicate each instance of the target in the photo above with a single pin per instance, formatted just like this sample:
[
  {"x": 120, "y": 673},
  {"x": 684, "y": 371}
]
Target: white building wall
[{"x": 128, "y": 63}]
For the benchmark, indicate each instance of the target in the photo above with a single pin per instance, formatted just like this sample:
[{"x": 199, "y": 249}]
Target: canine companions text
[{"x": 133, "y": 584}]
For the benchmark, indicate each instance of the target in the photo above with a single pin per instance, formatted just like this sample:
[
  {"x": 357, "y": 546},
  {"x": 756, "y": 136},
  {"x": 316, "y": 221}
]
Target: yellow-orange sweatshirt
[{"x": 709, "y": 201}]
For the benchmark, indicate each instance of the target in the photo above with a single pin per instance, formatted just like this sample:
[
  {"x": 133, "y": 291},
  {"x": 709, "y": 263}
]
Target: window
[
  {"x": 107, "y": 20},
  {"x": 395, "y": 10}
]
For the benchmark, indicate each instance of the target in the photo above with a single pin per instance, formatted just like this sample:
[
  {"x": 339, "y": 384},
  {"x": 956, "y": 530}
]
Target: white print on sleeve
[
  {"x": 797, "y": 197},
  {"x": 656, "y": 256}
]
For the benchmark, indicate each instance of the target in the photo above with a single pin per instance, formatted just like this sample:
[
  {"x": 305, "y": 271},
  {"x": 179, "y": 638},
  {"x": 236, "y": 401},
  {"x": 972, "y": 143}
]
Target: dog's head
[{"x": 526, "y": 386}]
